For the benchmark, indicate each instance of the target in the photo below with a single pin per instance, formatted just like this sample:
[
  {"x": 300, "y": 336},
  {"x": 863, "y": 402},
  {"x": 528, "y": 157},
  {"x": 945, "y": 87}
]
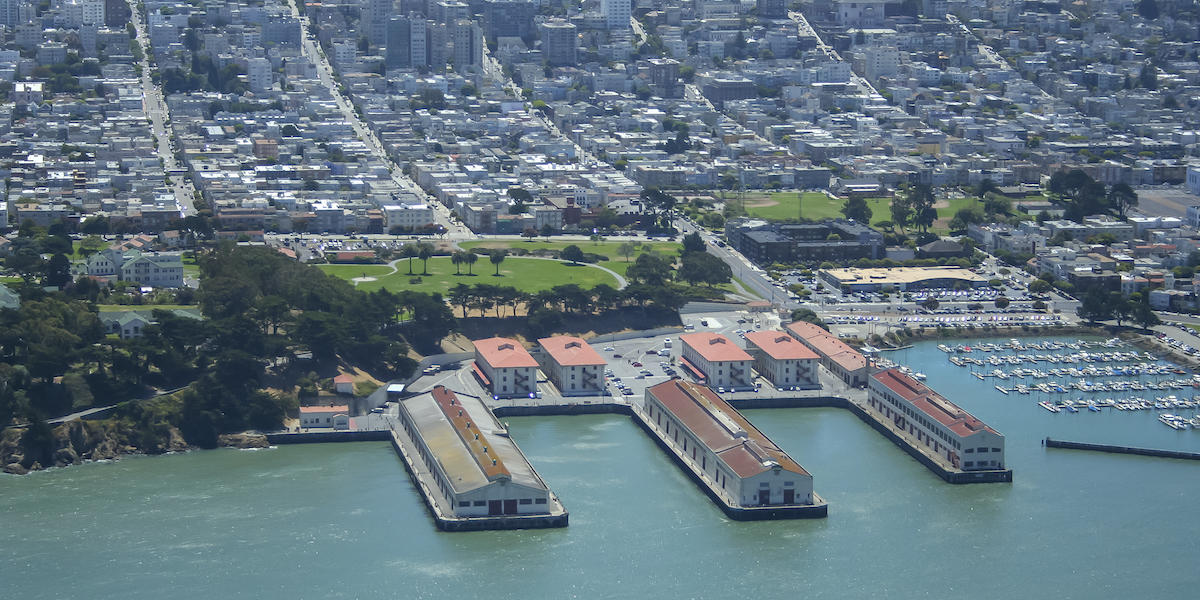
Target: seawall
[{"x": 1114, "y": 449}]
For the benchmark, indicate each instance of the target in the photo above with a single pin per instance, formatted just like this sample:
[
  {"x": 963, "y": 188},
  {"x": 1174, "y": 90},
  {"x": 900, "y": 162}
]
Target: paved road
[
  {"x": 156, "y": 111},
  {"x": 325, "y": 74}
]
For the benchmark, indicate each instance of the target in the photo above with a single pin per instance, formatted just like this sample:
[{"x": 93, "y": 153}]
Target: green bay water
[{"x": 343, "y": 520}]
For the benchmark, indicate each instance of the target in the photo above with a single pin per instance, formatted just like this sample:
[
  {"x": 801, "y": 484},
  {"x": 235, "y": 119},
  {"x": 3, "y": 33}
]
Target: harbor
[{"x": 1084, "y": 376}]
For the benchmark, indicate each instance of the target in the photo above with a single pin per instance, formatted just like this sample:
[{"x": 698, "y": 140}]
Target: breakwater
[{"x": 1115, "y": 449}]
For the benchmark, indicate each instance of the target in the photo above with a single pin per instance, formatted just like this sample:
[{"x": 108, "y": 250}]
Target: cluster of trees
[
  {"x": 659, "y": 207},
  {"x": 1082, "y": 196},
  {"x": 995, "y": 207},
  {"x": 27, "y": 256},
  {"x": 913, "y": 207},
  {"x": 1100, "y": 305}
]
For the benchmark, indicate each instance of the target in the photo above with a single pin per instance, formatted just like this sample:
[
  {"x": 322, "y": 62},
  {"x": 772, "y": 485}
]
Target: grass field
[
  {"x": 615, "y": 261},
  {"x": 781, "y": 206},
  {"x": 525, "y": 274},
  {"x": 349, "y": 272}
]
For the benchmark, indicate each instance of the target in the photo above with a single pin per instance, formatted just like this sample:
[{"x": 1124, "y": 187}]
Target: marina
[{"x": 1084, "y": 376}]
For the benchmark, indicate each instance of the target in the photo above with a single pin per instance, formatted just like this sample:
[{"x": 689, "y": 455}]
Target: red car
[{"x": 637, "y": 364}]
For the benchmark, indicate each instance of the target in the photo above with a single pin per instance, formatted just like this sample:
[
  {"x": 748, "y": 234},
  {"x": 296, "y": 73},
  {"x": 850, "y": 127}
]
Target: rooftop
[
  {"x": 504, "y": 353},
  {"x": 779, "y": 345},
  {"x": 723, "y": 429},
  {"x": 715, "y": 347},
  {"x": 901, "y": 275},
  {"x": 467, "y": 441},
  {"x": 825, "y": 343},
  {"x": 570, "y": 351},
  {"x": 932, "y": 403},
  {"x": 339, "y": 408}
]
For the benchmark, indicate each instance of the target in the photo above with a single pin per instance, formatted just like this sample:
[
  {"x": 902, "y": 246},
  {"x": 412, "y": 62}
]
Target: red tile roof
[
  {"x": 503, "y": 353},
  {"x": 714, "y": 347},
  {"x": 779, "y": 345},
  {"x": 723, "y": 429},
  {"x": 932, "y": 403},
  {"x": 571, "y": 351},
  {"x": 827, "y": 345},
  {"x": 344, "y": 378},
  {"x": 489, "y": 462}
]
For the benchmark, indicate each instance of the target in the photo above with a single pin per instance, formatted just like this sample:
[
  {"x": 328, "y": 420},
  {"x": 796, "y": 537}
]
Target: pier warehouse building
[
  {"x": 948, "y": 430},
  {"x": 717, "y": 359},
  {"x": 843, "y": 361},
  {"x": 505, "y": 368},
  {"x": 737, "y": 460},
  {"x": 572, "y": 365},
  {"x": 479, "y": 471},
  {"x": 782, "y": 359}
]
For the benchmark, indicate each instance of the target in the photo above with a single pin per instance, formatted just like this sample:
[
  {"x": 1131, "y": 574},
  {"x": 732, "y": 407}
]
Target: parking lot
[{"x": 633, "y": 364}]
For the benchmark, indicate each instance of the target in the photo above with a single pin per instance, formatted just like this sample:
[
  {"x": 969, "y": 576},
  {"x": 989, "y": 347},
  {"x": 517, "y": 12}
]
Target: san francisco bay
[{"x": 343, "y": 520}]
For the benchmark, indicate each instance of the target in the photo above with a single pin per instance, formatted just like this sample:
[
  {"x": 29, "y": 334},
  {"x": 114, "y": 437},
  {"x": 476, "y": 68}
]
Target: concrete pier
[{"x": 1113, "y": 449}]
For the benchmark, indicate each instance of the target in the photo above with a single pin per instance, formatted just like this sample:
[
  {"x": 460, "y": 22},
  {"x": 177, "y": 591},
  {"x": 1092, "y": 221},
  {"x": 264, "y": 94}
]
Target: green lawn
[
  {"x": 781, "y": 206},
  {"x": 615, "y": 262},
  {"x": 525, "y": 274},
  {"x": 10, "y": 279},
  {"x": 351, "y": 271}
]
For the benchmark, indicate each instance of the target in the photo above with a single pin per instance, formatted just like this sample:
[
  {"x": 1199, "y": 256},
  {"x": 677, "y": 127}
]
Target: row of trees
[{"x": 1099, "y": 305}]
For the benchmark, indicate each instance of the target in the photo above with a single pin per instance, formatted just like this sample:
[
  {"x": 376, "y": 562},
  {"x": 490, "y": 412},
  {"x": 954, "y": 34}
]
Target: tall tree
[
  {"x": 572, "y": 253},
  {"x": 424, "y": 252},
  {"x": 456, "y": 259},
  {"x": 857, "y": 209},
  {"x": 692, "y": 242},
  {"x": 702, "y": 267},
  {"x": 1122, "y": 197},
  {"x": 496, "y": 257},
  {"x": 471, "y": 259},
  {"x": 410, "y": 252},
  {"x": 626, "y": 249},
  {"x": 649, "y": 268}
]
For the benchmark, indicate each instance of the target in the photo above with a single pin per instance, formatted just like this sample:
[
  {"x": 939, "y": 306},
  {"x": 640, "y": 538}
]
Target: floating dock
[{"x": 1113, "y": 449}]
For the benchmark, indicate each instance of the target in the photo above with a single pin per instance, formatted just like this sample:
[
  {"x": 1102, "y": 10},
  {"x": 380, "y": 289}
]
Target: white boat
[{"x": 1050, "y": 407}]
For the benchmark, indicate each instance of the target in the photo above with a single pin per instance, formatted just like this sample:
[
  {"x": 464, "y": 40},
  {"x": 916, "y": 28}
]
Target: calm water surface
[{"x": 343, "y": 521}]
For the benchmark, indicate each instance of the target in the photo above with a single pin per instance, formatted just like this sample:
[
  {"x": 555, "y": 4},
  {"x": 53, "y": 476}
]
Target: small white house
[
  {"x": 344, "y": 384},
  {"x": 331, "y": 416}
]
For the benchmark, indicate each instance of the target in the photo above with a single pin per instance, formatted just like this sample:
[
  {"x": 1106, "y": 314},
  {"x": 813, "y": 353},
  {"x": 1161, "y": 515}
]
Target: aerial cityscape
[{"x": 615, "y": 298}]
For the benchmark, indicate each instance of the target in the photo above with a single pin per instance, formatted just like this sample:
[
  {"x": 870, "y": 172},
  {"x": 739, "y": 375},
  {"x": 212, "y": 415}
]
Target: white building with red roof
[
  {"x": 505, "y": 368},
  {"x": 717, "y": 360},
  {"x": 737, "y": 460},
  {"x": 782, "y": 359},
  {"x": 572, "y": 365},
  {"x": 845, "y": 362},
  {"x": 965, "y": 441},
  {"x": 336, "y": 416}
]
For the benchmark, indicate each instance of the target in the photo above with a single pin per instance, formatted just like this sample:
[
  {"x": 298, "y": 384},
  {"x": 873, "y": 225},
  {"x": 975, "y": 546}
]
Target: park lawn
[
  {"x": 7, "y": 279},
  {"x": 615, "y": 262},
  {"x": 525, "y": 274},
  {"x": 818, "y": 206},
  {"x": 349, "y": 272}
]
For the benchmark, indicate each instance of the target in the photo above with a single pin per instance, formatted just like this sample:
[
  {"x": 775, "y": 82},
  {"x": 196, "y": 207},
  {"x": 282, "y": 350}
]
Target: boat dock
[{"x": 1114, "y": 449}]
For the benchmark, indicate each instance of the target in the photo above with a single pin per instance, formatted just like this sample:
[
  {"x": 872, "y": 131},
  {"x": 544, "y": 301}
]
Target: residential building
[
  {"x": 9, "y": 298},
  {"x": 505, "y": 368},
  {"x": 478, "y": 469},
  {"x": 717, "y": 360},
  {"x": 616, "y": 14},
  {"x": 573, "y": 366},
  {"x": 947, "y": 430},
  {"x": 150, "y": 269},
  {"x": 407, "y": 217},
  {"x": 560, "y": 40},
  {"x": 782, "y": 359},
  {"x": 737, "y": 460},
  {"x": 844, "y": 362}
]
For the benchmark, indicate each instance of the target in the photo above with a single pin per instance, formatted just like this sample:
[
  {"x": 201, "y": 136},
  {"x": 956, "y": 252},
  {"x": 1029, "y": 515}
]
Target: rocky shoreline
[{"x": 78, "y": 442}]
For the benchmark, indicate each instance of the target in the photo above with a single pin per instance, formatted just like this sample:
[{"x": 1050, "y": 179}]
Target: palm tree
[
  {"x": 470, "y": 257},
  {"x": 424, "y": 252},
  {"x": 457, "y": 260},
  {"x": 497, "y": 257},
  {"x": 409, "y": 251}
]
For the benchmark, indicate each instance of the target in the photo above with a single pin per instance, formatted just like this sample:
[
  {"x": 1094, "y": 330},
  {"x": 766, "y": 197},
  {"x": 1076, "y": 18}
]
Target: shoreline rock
[{"x": 243, "y": 440}]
